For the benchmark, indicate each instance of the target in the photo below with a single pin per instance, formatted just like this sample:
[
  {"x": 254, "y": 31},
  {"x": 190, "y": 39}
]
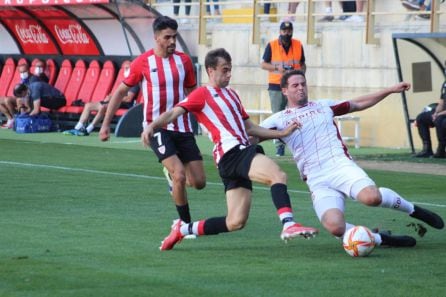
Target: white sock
[
  {"x": 289, "y": 217},
  {"x": 79, "y": 126},
  {"x": 391, "y": 199},
  {"x": 378, "y": 239},
  {"x": 90, "y": 128}
]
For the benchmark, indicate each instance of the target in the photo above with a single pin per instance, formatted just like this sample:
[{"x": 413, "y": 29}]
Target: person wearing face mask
[
  {"x": 39, "y": 71},
  {"x": 9, "y": 104},
  {"x": 82, "y": 129},
  {"x": 436, "y": 117},
  {"x": 281, "y": 54}
]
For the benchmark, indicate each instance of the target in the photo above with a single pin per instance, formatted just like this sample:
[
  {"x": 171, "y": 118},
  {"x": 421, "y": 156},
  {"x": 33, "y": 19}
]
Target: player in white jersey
[
  {"x": 166, "y": 76},
  {"x": 219, "y": 109},
  {"x": 325, "y": 165}
]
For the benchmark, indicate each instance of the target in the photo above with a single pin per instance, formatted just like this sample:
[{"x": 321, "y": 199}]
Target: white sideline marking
[
  {"x": 151, "y": 177},
  {"x": 117, "y": 173}
]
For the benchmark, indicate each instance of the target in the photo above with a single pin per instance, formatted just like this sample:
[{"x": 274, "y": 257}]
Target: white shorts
[{"x": 330, "y": 186}]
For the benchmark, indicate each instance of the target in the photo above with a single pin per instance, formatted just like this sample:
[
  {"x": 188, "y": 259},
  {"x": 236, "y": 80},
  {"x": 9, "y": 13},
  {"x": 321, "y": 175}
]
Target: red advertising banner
[
  {"x": 31, "y": 36},
  {"x": 49, "y": 2},
  {"x": 71, "y": 37}
]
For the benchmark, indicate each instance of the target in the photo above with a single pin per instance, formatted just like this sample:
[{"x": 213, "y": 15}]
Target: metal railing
[{"x": 256, "y": 15}]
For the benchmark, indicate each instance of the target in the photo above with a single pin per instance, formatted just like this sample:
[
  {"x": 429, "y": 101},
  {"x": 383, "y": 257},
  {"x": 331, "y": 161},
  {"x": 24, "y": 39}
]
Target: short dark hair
[
  {"x": 288, "y": 74},
  {"x": 20, "y": 89},
  {"x": 211, "y": 59},
  {"x": 164, "y": 22}
]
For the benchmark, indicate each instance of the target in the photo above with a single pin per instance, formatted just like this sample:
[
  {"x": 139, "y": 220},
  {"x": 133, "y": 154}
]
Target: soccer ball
[{"x": 358, "y": 241}]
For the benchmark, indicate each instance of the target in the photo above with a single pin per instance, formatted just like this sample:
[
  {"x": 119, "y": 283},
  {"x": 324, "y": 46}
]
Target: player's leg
[
  {"x": 264, "y": 170},
  {"x": 195, "y": 176},
  {"x": 329, "y": 206},
  {"x": 372, "y": 196},
  {"x": 177, "y": 174},
  {"x": 189, "y": 153},
  {"x": 238, "y": 203}
]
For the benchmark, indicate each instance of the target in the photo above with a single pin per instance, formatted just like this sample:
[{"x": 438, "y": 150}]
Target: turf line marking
[
  {"x": 118, "y": 174},
  {"x": 152, "y": 177}
]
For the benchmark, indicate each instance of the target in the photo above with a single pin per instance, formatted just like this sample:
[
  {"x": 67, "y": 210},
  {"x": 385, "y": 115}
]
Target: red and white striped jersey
[
  {"x": 318, "y": 143},
  {"x": 222, "y": 113},
  {"x": 163, "y": 81}
]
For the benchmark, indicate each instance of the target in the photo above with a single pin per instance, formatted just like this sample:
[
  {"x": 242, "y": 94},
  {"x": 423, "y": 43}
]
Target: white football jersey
[{"x": 318, "y": 143}]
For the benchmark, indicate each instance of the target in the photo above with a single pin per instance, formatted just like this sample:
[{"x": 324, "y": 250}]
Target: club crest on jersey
[{"x": 162, "y": 149}]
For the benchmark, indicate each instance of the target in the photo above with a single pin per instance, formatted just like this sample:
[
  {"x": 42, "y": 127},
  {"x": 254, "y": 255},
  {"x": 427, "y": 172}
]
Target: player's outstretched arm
[
  {"x": 366, "y": 101},
  {"x": 263, "y": 133}
]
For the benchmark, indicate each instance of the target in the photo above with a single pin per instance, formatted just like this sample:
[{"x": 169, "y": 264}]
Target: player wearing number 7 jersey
[{"x": 166, "y": 77}]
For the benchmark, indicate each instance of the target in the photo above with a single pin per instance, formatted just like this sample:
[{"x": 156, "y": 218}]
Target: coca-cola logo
[
  {"x": 31, "y": 34},
  {"x": 72, "y": 34}
]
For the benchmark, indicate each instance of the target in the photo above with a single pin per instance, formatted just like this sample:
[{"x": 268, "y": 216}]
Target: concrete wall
[{"x": 341, "y": 68}]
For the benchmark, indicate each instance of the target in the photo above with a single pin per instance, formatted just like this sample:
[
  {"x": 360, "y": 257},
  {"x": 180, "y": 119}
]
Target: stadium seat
[
  {"x": 119, "y": 79},
  {"x": 105, "y": 82},
  {"x": 6, "y": 76},
  {"x": 16, "y": 78},
  {"x": 64, "y": 76},
  {"x": 74, "y": 84},
  {"x": 51, "y": 70},
  {"x": 87, "y": 88}
]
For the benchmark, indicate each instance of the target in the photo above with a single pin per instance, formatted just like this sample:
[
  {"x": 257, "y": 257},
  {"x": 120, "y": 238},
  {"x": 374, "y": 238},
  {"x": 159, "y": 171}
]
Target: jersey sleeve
[
  {"x": 189, "y": 80},
  {"x": 194, "y": 102},
  {"x": 341, "y": 108}
]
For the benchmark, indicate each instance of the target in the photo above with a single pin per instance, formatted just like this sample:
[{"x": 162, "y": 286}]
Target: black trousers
[{"x": 424, "y": 123}]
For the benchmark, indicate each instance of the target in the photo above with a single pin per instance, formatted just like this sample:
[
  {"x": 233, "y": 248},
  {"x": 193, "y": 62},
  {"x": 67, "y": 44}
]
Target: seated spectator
[
  {"x": 101, "y": 107},
  {"x": 419, "y": 5},
  {"x": 429, "y": 119},
  {"x": 8, "y": 104},
  {"x": 40, "y": 71},
  {"x": 216, "y": 8},
  {"x": 36, "y": 95}
]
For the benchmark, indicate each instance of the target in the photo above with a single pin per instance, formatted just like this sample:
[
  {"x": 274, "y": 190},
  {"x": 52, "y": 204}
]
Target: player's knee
[
  {"x": 197, "y": 183},
  {"x": 279, "y": 177},
  {"x": 235, "y": 224},
  {"x": 370, "y": 196},
  {"x": 335, "y": 227},
  {"x": 179, "y": 177}
]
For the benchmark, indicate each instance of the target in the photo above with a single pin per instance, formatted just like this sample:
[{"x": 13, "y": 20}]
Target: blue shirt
[{"x": 42, "y": 90}]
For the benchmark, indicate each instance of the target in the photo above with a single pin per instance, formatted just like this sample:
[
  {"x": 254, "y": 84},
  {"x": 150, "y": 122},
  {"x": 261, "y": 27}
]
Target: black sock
[
  {"x": 280, "y": 196},
  {"x": 214, "y": 226},
  {"x": 183, "y": 212}
]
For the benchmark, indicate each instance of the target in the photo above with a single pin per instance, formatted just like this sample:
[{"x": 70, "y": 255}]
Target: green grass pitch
[{"x": 83, "y": 218}]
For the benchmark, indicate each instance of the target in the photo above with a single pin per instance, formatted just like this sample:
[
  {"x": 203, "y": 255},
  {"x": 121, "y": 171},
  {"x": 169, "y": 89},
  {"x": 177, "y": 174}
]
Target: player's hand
[
  {"x": 104, "y": 133},
  {"x": 400, "y": 87},
  {"x": 146, "y": 135},
  {"x": 291, "y": 128}
]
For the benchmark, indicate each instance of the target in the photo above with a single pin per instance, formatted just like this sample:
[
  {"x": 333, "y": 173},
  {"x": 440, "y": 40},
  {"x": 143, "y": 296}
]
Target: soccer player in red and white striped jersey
[
  {"x": 166, "y": 76},
  {"x": 219, "y": 109}
]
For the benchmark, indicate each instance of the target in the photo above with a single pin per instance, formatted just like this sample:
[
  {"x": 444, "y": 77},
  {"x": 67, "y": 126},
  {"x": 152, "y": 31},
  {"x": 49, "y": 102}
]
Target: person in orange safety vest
[{"x": 281, "y": 54}]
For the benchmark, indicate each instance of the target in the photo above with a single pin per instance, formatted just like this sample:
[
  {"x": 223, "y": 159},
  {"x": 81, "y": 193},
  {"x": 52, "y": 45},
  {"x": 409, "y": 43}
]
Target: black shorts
[
  {"x": 167, "y": 143},
  {"x": 235, "y": 164},
  {"x": 53, "y": 102}
]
